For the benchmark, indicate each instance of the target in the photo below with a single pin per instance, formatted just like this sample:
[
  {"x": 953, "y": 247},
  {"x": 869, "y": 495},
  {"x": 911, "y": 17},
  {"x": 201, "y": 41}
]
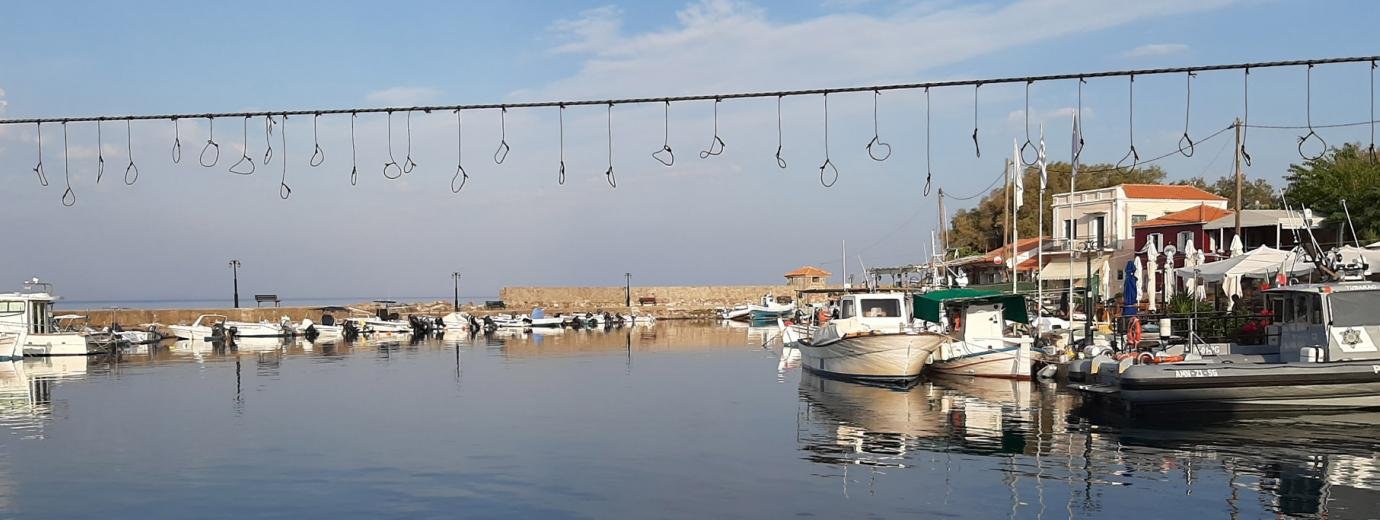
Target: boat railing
[{"x": 1206, "y": 327}]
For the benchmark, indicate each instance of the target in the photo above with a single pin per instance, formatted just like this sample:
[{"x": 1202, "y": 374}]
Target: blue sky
[{"x": 734, "y": 218}]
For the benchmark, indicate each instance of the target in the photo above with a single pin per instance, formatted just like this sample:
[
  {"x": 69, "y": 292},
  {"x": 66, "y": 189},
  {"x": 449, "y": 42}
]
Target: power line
[{"x": 707, "y": 97}]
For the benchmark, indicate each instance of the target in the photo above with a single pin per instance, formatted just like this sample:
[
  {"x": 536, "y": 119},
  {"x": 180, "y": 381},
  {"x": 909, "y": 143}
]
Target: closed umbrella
[
  {"x": 1170, "y": 281},
  {"x": 1152, "y": 264},
  {"x": 1190, "y": 261},
  {"x": 1236, "y": 247},
  {"x": 1231, "y": 286},
  {"x": 1140, "y": 279},
  {"x": 1104, "y": 286},
  {"x": 1130, "y": 288}
]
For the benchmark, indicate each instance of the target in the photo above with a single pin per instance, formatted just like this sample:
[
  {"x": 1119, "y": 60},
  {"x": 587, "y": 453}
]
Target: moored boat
[
  {"x": 28, "y": 315},
  {"x": 980, "y": 343},
  {"x": 874, "y": 339}
]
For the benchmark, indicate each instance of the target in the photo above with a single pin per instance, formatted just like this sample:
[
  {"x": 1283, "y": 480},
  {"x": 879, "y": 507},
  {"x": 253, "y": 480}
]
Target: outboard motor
[
  {"x": 489, "y": 325},
  {"x": 349, "y": 330},
  {"x": 217, "y": 332},
  {"x": 311, "y": 333}
]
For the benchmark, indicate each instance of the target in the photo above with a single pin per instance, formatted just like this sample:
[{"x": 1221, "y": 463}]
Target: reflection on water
[{"x": 667, "y": 420}]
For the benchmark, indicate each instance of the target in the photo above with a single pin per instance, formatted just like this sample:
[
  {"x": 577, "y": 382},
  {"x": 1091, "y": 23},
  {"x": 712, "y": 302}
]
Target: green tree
[
  {"x": 980, "y": 228},
  {"x": 1350, "y": 173},
  {"x": 1255, "y": 194}
]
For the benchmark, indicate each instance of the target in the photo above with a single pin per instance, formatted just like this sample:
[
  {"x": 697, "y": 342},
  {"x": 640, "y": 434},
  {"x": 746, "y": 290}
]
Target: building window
[
  {"x": 1185, "y": 238},
  {"x": 814, "y": 279},
  {"x": 1157, "y": 239},
  {"x": 1136, "y": 219},
  {"x": 1099, "y": 231},
  {"x": 1070, "y": 229}
]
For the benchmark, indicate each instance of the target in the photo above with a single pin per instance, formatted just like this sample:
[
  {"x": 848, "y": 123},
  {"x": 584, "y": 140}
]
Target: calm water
[{"x": 668, "y": 421}]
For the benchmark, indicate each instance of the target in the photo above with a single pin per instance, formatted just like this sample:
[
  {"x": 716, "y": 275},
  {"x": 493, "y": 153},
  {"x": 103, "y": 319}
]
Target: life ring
[
  {"x": 1133, "y": 332},
  {"x": 1146, "y": 358}
]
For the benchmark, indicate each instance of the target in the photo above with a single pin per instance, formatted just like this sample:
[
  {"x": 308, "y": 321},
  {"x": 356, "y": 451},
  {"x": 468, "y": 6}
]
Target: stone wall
[{"x": 558, "y": 299}]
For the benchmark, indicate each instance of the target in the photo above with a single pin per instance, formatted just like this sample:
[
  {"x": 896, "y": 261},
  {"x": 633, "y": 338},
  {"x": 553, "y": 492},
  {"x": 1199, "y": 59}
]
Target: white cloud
[
  {"x": 1155, "y": 50},
  {"x": 399, "y": 96},
  {"x": 727, "y": 44}
]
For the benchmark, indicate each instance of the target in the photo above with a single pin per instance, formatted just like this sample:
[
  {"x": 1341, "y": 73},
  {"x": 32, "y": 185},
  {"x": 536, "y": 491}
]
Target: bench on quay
[
  {"x": 646, "y": 300},
  {"x": 260, "y": 299},
  {"x": 495, "y": 304}
]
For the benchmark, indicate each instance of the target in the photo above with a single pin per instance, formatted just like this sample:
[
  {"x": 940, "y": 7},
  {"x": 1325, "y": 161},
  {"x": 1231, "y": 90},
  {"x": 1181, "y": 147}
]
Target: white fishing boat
[
  {"x": 204, "y": 325},
  {"x": 382, "y": 322},
  {"x": 767, "y": 310},
  {"x": 538, "y": 318},
  {"x": 318, "y": 332},
  {"x": 199, "y": 330},
  {"x": 28, "y": 315},
  {"x": 981, "y": 327},
  {"x": 457, "y": 322},
  {"x": 874, "y": 339}
]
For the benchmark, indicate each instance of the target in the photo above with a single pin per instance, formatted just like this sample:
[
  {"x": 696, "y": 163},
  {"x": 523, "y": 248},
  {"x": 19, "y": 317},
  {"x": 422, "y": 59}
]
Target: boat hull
[
  {"x": 57, "y": 345},
  {"x": 1005, "y": 361},
  {"x": 1273, "y": 386},
  {"x": 876, "y": 357}
]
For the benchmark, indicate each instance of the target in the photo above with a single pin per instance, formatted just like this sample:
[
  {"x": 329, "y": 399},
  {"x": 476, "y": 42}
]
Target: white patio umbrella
[
  {"x": 1104, "y": 287},
  {"x": 1236, "y": 247},
  {"x": 1170, "y": 281},
  {"x": 1140, "y": 281},
  {"x": 1190, "y": 262},
  {"x": 1231, "y": 286}
]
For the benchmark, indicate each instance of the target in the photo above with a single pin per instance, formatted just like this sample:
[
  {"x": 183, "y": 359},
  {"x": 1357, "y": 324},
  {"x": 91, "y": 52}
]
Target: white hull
[
  {"x": 9, "y": 347},
  {"x": 255, "y": 330},
  {"x": 1001, "y": 359},
  {"x": 191, "y": 332},
  {"x": 889, "y": 356},
  {"x": 545, "y": 322},
  {"x": 66, "y": 344}
]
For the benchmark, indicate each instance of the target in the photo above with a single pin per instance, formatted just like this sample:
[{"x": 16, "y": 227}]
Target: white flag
[
  {"x": 1077, "y": 145},
  {"x": 1017, "y": 179},
  {"x": 1044, "y": 173}
]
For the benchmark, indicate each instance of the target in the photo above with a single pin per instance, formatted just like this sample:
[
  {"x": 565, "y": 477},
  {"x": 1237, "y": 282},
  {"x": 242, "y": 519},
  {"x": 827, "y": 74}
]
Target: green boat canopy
[{"x": 930, "y": 306}]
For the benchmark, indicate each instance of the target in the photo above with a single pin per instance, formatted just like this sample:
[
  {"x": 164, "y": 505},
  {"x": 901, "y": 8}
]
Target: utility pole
[
  {"x": 1240, "y": 175},
  {"x": 627, "y": 290},
  {"x": 456, "y": 276},
  {"x": 235, "y": 270}
]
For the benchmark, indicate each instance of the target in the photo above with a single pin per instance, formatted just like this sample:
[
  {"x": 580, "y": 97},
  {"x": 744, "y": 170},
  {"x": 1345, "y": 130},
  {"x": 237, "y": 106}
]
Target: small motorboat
[
  {"x": 538, "y": 319},
  {"x": 28, "y": 315},
  {"x": 980, "y": 342},
  {"x": 458, "y": 322},
  {"x": 874, "y": 339}
]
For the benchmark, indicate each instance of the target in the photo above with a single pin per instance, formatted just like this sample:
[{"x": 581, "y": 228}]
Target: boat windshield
[
  {"x": 1355, "y": 308},
  {"x": 888, "y": 308}
]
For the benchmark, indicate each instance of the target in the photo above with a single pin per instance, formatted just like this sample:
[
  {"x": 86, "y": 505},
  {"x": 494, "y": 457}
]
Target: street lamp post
[
  {"x": 627, "y": 290},
  {"x": 235, "y": 270},
  {"x": 456, "y": 276}
]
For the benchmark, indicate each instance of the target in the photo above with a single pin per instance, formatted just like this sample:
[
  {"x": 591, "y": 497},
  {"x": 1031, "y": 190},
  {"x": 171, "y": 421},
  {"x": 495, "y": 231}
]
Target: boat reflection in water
[{"x": 1057, "y": 459}]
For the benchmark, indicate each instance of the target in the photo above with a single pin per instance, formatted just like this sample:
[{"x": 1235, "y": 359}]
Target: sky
[{"x": 733, "y": 218}]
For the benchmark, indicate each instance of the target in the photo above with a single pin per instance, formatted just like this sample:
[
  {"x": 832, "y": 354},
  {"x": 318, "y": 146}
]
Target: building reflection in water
[{"x": 1043, "y": 445}]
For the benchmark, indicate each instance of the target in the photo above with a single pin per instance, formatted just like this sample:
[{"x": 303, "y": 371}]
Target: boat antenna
[
  {"x": 1316, "y": 254},
  {"x": 1355, "y": 239},
  {"x": 867, "y": 280}
]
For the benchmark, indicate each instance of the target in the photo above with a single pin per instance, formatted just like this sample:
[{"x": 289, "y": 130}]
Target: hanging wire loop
[
  {"x": 501, "y": 154},
  {"x": 100, "y": 154},
  {"x": 608, "y": 174},
  {"x": 1131, "y": 155},
  {"x": 244, "y": 155},
  {"x": 268, "y": 138},
  {"x": 131, "y": 171},
  {"x": 212, "y": 147},
  {"x": 560, "y": 178},
  {"x": 408, "y": 164},
  {"x": 929, "y": 171},
  {"x": 716, "y": 146},
  {"x": 977, "y": 149},
  {"x": 1027, "y": 145},
  {"x": 283, "y": 190},
  {"x": 876, "y": 149},
  {"x": 317, "y": 155},
  {"x": 392, "y": 163},
  {"x": 1308, "y": 111},
  {"x": 38, "y": 167},
  {"x": 664, "y": 155},
  {"x": 780, "y": 137},
  {"x": 1186, "y": 142},
  {"x": 828, "y": 165},
  {"x": 69, "y": 197},
  {"x": 460, "y": 173},
  {"x": 354, "y": 152},
  {"x": 177, "y": 142}
]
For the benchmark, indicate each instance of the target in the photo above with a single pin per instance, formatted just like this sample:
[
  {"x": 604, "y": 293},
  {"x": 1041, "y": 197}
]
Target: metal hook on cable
[
  {"x": 408, "y": 164},
  {"x": 561, "y": 178},
  {"x": 976, "y": 148},
  {"x": 704, "y": 154},
  {"x": 1246, "y": 112},
  {"x": 100, "y": 153},
  {"x": 129, "y": 151},
  {"x": 354, "y": 152},
  {"x": 283, "y": 190},
  {"x": 69, "y": 197},
  {"x": 211, "y": 145},
  {"x": 392, "y": 163},
  {"x": 1308, "y": 112},
  {"x": 780, "y": 161},
  {"x": 501, "y": 153},
  {"x": 1027, "y": 143},
  {"x": 268, "y": 138},
  {"x": 665, "y": 156},
  {"x": 317, "y": 155},
  {"x": 1131, "y": 129},
  {"x": 244, "y": 156},
  {"x": 929, "y": 172},
  {"x": 876, "y": 133},
  {"x": 460, "y": 173},
  {"x": 828, "y": 163},
  {"x": 608, "y": 175},
  {"x": 1186, "y": 142},
  {"x": 177, "y": 142}
]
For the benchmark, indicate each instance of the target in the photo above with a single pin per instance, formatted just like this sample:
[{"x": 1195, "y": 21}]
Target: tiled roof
[
  {"x": 808, "y": 270},
  {"x": 1199, "y": 214},
  {"x": 1167, "y": 191}
]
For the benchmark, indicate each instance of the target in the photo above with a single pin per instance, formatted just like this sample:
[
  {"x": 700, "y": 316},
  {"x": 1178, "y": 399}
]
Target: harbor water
[{"x": 674, "y": 420}]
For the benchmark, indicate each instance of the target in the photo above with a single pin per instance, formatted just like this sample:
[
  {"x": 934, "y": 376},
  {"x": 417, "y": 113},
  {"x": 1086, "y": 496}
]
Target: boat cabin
[
  {"x": 876, "y": 310},
  {"x": 29, "y": 314},
  {"x": 1325, "y": 322},
  {"x": 971, "y": 314}
]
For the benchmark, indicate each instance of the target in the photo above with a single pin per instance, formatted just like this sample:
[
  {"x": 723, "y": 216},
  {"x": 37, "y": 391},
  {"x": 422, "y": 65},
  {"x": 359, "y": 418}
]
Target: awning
[
  {"x": 929, "y": 306},
  {"x": 1058, "y": 268}
]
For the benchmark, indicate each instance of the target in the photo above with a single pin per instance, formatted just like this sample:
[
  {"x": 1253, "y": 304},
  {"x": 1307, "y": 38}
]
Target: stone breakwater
[{"x": 671, "y": 302}]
